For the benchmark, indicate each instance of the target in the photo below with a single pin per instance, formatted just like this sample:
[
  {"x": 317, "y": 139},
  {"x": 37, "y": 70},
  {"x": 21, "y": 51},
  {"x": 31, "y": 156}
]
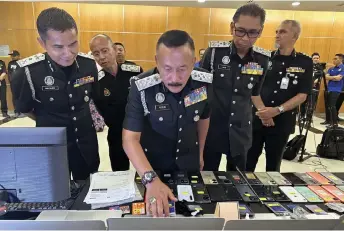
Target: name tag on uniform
[
  {"x": 196, "y": 96},
  {"x": 162, "y": 107},
  {"x": 50, "y": 88},
  {"x": 285, "y": 83},
  {"x": 83, "y": 81},
  {"x": 224, "y": 67},
  {"x": 296, "y": 70}
]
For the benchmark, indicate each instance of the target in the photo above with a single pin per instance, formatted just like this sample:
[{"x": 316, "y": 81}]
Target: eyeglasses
[{"x": 250, "y": 34}]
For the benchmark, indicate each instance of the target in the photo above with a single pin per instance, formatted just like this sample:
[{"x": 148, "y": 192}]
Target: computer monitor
[{"x": 34, "y": 164}]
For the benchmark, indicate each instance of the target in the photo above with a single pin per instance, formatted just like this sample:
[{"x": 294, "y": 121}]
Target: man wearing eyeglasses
[
  {"x": 238, "y": 68},
  {"x": 286, "y": 86}
]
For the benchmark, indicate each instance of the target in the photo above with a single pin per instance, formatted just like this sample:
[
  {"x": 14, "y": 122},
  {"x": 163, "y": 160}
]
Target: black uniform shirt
[
  {"x": 12, "y": 66},
  {"x": 235, "y": 81},
  {"x": 168, "y": 121},
  {"x": 113, "y": 93},
  {"x": 297, "y": 70},
  {"x": 2, "y": 70}
]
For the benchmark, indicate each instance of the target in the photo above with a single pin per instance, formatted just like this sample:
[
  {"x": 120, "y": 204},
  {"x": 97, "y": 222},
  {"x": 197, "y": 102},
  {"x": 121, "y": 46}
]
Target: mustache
[{"x": 176, "y": 84}]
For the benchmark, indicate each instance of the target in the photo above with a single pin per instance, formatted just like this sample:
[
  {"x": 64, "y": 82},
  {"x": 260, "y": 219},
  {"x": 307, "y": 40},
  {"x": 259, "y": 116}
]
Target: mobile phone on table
[
  {"x": 185, "y": 193},
  {"x": 208, "y": 177},
  {"x": 320, "y": 178},
  {"x": 316, "y": 209},
  {"x": 308, "y": 194},
  {"x": 293, "y": 195},
  {"x": 279, "y": 179},
  {"x": 277, "y": 209},
  {"x": 295, "y": 180}
]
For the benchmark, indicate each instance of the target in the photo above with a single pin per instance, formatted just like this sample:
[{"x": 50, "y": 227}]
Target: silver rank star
[
  {"x": 225, "y": 60},
  {"x": 160, "y": 97},
  {"x": 86, "y": 98},
  {"x": 250, "y": 85},
  {"x": 196, "y": 118},
  {"x": 295, "y": 82}
]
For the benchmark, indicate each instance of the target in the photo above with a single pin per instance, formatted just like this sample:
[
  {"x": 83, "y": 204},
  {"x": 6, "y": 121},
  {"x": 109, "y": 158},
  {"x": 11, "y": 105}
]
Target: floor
[{"x": 313, "y": 164}]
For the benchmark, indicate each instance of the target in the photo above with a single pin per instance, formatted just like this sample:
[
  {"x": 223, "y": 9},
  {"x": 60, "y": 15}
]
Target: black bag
[
  {"x": 293, "y": 147},
  {"x": 332, "y": 143}
]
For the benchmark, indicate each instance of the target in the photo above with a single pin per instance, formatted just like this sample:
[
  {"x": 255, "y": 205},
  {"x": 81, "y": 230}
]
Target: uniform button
[
  {"x": 222, "y": 75},
  {"x": 177, "y": 158},
  {"x": 51, "y": 99},
  {"x": 74, "y": 118},
  {"x": 239, "y": 65},
  {"x": 230, "y": 125},
  {"x": 180, "y": 102},
  {"x": 196, "y": 143},
  {"x": 280, "y": 73},
  {"x": 86, "y": 91},
  {"x": 161, "y": 119},
  {"x": 179, "y": 141},
  {"x": 295, "y": 77},
  {"x": 72, "y": 108},
  {"x": 249, "y": 122},
  {"x": 275, "y": 92},
  {"x": 180, "y": 129},
  {"x": 238, "y": 77},
  {"x": 76, "y": 129},
  {"x": 272, "y": 101},
  {"x": 235, "y": 90},
  {"x": 196, "y": 111},
  {"x": 146, "y": 150},
  {"x": 77, "y": 140},
  {"x": 180, "y": 116},
  {"x": 283, "y": 63},
  {"x": 233, "y": 102},
  {"x": 177, "y": 150},
  {"x": 251, "y": 78},
  {"x": 278, "y": 82},
  {"x": 232, "y": 114},
  {"x": 70, "y": 95},
  {"x": 68, "y": 82}
]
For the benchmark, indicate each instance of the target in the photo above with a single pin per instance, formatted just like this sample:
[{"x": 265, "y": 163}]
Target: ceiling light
[
  {"x": 295, "y": 4},
  {"x": 201, "y": 1}
]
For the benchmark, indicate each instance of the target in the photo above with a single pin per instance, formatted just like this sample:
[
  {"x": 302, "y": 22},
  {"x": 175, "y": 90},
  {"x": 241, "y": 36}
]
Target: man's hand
[
  {"x": 159, "y": 206},
  {"x": 201, "y": 163},
  {"x": 337, "y": 78},
  {"x": 267, "y": 113},
  {"x": 268, "y": 123}
]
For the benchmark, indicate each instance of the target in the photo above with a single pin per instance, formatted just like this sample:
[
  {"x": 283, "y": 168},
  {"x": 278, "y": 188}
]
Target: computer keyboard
[{"x": 39, "y": 206}]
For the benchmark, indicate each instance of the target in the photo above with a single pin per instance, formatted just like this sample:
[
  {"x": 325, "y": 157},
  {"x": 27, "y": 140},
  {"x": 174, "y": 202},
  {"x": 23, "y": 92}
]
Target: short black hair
[
  {"x": 119, "y": 44},
  {"x": 176, "y": 38},
  {"x": 54, "y": 19},
  {"x": 315, "y": 54},
  {"x": 339, "y": 55},
  {"x": 250, "y": 9}
]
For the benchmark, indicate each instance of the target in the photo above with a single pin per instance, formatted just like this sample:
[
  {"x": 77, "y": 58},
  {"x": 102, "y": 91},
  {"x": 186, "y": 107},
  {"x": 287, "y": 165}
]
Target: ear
[
  {"x": 261, "y": 31},
  {"x": 194, "y": 60},
  {"x": 41, "y": 42},
  {"x": 156, "y": 60},
  {"x": 232, "y": 28}
]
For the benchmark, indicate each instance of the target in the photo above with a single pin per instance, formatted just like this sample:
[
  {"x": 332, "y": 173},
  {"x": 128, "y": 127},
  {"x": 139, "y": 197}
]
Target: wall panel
[
  {"x": 192, "y": 20},
  {"x": 338, "y": 25},
  {"x": 220, "y": 20},
  {"x": 101, "y": 17},
  {"x": 147, "y": 19},
  {"x": 16, "y": 15},
  {"x": 315, "y": 24},
  {"x": 273, "y": 20}
]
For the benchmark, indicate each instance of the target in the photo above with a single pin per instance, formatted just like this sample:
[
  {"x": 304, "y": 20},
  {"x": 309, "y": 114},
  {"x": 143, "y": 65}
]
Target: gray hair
[{"x": 295, "y": 25}]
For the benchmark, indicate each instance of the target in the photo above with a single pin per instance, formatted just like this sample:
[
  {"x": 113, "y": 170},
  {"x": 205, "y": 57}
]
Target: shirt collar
[
  {"x": 277, "y": 52},
  {"x": 53, "y": 66},
  {"x": 234, "y": 50}
]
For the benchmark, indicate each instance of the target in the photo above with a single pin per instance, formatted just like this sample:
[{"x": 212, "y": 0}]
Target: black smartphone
[
  {"x": 237, "y": 179},
  {"x": 296, "y": 181},
  {"x": 263, "y": 192},
  {"x": 244, "y": 209},
  {"x": 252, "y": 179},
  {"x": 167, "y": 178},
  {"x": 247, "y": 194},
  {"x": 195, "y": 178},
  {"x": 200, "y": 193},
  {"x": 277, "y": 194},
  {"x": 181, "y": 178},
  {"x": 223, "y": 177},
  {"x": 223, "y": 192}
]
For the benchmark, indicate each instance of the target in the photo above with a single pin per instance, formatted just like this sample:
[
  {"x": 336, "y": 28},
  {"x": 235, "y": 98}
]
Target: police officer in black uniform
[
  {"x": 121, "y": 53},
  {"x": 113, "y": 88},
  {"x": 167, "y": 117},
  {"x": 54, "y": 88},
  {"x": 286, "y": 86},
  {"x": 11, "y": 67},
  {"x": 239, "y": 71}
]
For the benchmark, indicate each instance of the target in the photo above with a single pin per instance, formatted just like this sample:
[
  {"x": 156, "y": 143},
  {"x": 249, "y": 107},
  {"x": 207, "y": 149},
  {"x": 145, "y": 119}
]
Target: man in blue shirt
[
  {"x": 335, "y": 86},
  {"x": 201, "y": 53}
]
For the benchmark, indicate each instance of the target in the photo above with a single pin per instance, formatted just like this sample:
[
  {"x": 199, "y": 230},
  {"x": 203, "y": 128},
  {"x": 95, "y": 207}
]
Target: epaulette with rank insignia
[
  {"x": 202, "y": 76},
  {"x": 262, "y": 51},
  {"x": 85, "y": 55},
  {"x": 304, "y": 54},
  {"x": 148, "y": 81},
  {"x": 215, "y": 44},
  {"x": 131, "y": 68},
  {"x": 31, "y": 60}
]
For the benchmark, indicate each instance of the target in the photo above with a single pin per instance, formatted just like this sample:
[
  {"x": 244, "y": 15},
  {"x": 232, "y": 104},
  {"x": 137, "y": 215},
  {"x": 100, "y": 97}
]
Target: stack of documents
[{"x": 112, "y": 188}]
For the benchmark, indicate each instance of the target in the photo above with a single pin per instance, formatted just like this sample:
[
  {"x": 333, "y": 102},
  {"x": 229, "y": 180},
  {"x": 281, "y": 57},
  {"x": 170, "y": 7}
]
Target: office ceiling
[{"x": 306, "y": 5}]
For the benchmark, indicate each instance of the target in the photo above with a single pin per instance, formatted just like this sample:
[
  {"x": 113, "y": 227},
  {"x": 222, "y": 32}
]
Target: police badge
[
  {"x": 49, "y": 80},
  {"x": 160, "y": 97}
]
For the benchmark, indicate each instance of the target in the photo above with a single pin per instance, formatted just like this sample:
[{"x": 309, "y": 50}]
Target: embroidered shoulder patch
[
  {"x": 202, "y": 76},
  {"x": 148, "y": 81},
  {"x": 85, "y": 55},
  {"x": 262, "y": 51},
  {"x": 131, "y": 68},
  {"x": 31, "y": 60},
  {"x": 214, "y": 44}
]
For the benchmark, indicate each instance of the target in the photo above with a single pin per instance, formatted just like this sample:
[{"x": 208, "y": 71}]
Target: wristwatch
[
  {"x": 280, "y": 109},
  {"x": 148, "y": 177}
]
